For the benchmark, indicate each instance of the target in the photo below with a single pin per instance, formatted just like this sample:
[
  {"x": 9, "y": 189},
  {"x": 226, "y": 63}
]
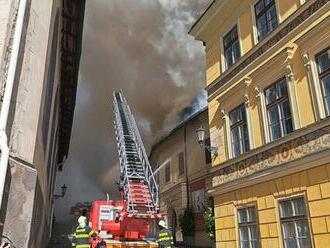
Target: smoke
[{"x": 141, "y": 47}]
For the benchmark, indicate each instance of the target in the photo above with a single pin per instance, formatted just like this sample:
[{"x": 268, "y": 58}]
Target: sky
[{"x": 143, "y": 48}]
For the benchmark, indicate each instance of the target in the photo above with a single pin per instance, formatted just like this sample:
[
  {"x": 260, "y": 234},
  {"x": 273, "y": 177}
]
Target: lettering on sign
[{"x": 295, "y": 149}]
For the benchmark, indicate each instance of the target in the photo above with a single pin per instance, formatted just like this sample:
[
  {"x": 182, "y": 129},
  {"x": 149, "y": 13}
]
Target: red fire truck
[{"x": 130, "y": 219}]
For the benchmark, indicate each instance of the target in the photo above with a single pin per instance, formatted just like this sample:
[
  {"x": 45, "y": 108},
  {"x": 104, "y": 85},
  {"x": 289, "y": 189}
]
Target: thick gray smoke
[{"x": 141, "y": 47}]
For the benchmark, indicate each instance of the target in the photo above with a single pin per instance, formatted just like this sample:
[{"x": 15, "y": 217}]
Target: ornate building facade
[
  {"x": 182, "y": 176},
  {"x": 268, "y": 84}
]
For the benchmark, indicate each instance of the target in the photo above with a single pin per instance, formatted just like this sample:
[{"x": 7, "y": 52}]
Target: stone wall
[{"x": 32, "y": 137}]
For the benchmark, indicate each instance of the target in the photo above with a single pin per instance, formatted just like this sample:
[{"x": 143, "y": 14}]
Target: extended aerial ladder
[
  {"x": 137, "y": 183},
  {"x": 129, "y": 219}
]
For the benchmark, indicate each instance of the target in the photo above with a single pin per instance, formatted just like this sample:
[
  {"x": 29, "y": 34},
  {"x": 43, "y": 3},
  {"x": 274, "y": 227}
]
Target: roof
[
  {"x": 181, "y": 124},
  {"x": 208, "y": 15},
  {"x": 73, "y": 13},
  {"x": 200, "y": 18}
]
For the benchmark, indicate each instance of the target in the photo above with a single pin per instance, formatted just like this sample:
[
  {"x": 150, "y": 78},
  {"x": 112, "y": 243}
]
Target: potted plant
[{"x": 187, "y": 225}]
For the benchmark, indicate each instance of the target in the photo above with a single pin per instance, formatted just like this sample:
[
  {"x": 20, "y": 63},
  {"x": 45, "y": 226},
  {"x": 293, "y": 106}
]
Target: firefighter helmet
[
  {"x": 162, "y": 223},
  {"x": 82, "y": 221}
]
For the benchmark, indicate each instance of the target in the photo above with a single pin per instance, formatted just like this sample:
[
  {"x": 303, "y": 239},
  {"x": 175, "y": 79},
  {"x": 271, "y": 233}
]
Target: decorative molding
[
  {"x": 303, "y": 146},
  {"x": 246, "y": 100},
  {"x": 266, "y": 46},
  {"x": 257, "y": 91},
  {"x": 293, "y": 95},
  {"x": 315, "y": 93},
  {"x": 246, "y": 82},
  {"x": 223, "y": 114},
  {"x": 289, "y": 53},
  {"x": 306, "y": 60},
  {"x": 289, "y": 72}
]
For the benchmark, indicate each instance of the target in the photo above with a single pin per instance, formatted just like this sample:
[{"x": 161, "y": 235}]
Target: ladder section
[{"x": 138, "y": 183}]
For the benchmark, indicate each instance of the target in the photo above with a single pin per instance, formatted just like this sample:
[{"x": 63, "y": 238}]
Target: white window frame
[
  {"x": 248, "y": 130},
  {"x": 227, "y": 134},
  {"x": 223, "y": 66},
  {"x": 279, "y": 223},
  {"x": 249, "y": 122},
  {"x": 254, "y": 21},
  {"x": 266, "y": 110},
  {"x": 317, "y": 84},
  {"x": 256, "y": 221}
]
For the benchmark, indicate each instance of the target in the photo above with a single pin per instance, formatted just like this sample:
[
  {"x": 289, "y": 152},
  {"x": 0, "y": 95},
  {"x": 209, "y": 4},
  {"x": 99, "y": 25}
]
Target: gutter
[{"x": 4, "y": 147}]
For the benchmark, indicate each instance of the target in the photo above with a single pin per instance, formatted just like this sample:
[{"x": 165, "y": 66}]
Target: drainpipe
[
  {"x": 4, "y": 147},
  {"x": 185, "y": 163}
]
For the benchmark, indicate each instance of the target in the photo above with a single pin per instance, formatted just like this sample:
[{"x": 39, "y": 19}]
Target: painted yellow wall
[
  {"x": 313, "y": 183},
  {"x": 213, "y": 63},
  {"x": 262, "y": 75},
  {"x": 236, "y": 13},
  {"x": 246, "y": 31},
  {"x": 217, "y": 131},
  {"x": 303, "y": 93},
  {"x": 287, "y": 7}
]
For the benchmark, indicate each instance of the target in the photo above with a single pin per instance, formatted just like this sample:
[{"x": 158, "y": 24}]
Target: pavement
[{"x": 59, "y": 236}]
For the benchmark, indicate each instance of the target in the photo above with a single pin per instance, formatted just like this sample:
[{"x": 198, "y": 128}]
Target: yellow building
[{"x": 268, "y": 84}]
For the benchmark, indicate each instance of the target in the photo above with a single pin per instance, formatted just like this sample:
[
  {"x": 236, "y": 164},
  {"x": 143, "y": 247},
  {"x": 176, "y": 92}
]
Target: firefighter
[
  {"x": 82, "y": 234},
  {"x": 164, "y": 237}
]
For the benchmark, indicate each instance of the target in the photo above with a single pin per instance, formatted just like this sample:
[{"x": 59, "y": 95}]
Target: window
[
  {"x": 181, "y": 163},
  {"x": 248, "y": 227},
  {"x": 208, "y": 156},
  {"x": 323, "y": 64},
  {"x": 167, "y": 172},
  {"x": 266, "y": 17},
  {"x": 294, "y": 223},
  {"x": 278, "y": 110},
  {"x": 239, "y": 131},
  {"x": 231, "y": 47}
]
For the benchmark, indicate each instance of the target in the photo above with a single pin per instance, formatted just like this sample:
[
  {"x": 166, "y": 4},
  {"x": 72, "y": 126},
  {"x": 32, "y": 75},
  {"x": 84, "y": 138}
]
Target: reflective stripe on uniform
[
  {"x": 81, "y": 237},
  {"x": 165, "y": 239}
]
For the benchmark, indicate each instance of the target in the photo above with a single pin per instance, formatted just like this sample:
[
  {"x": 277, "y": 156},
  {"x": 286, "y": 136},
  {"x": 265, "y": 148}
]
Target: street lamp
[
  {"x": 63, "y": 191},
  {"x": 201, "y": 141}
]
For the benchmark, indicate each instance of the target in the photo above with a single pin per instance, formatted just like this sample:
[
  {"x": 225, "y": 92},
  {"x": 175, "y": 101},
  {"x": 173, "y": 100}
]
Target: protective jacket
[
  {"x": 165, "y": 239},
  {"x": 81, "y": 237}
]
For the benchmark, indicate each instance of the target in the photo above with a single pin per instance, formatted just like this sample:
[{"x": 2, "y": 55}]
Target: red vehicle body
[
  {"x": 107, "y": 216},
  {"x": 130, "y": 228},
  {"x": 102, "y": 211}
]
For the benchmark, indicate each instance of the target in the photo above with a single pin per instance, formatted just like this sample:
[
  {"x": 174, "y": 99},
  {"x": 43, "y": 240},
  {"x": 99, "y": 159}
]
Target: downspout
[
  {"x": 185, "y": 163},
  {"x": 4, "y": 147}
]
